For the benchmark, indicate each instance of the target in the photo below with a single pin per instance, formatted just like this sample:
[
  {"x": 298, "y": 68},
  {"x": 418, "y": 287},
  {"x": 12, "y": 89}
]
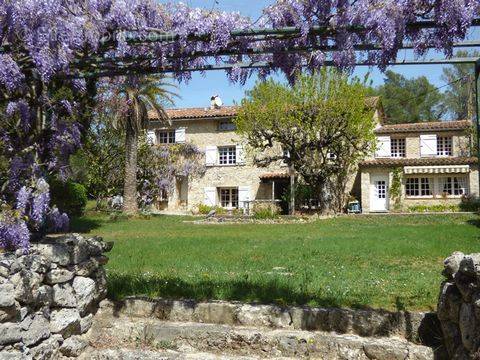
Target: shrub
[
  {"x": 470, "y": 203},
  {"x": 69, "y": 197},
  {"x": 205, "y": 209},
  {"x": 433, "y": 208},
  {"x": 262, "y": 211}
]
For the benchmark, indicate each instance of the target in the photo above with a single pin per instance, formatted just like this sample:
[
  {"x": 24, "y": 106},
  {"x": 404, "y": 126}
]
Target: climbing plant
[{"x": 50, "y": 52}]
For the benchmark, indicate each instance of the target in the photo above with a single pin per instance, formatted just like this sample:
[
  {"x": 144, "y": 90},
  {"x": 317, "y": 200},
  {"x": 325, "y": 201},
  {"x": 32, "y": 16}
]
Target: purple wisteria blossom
[{"x": 43, "y": 43}]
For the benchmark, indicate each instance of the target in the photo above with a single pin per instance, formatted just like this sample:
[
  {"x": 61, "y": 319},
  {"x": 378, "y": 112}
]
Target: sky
[{"x": 197, "y": 92}]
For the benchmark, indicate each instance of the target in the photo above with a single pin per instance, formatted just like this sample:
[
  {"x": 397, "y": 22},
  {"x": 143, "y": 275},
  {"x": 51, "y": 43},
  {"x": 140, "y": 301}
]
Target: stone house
[{"x": 435, "y": 158}]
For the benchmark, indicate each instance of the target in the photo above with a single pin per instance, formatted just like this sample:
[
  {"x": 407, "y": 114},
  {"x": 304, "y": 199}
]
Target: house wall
[
  {"x": 366, "y": 175},
  {"x": 205, "y": 133}
]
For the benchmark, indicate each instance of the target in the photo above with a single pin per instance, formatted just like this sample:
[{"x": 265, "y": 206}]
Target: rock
[
  {"x": 63, "y": 295},
  {"x": 263, "y": 315},
  {"x": 46, "y": 350},
  {"x": 340, "y": 320},
  {"x": 452, "y": 264},
  {"x": 310, "y": 319},
  {"x": 45, "y": 295},
  {"x": 465, "y": 285},
  {"x": 10, "y": 333},
  {"x": 85, "y": 268},
  {"x": 57, "y": 253},
  {"x": 470, "y": 265},
  {"x": 12, "y": 355},
  {"x": 86, "y": 323},
  {"x": 468, "y": 326},
  {"x": 102, "y": 259},
  {"x": 73, "y": 346},
  {"x": 84, "y": 292},
  {"x": 65, "y": 322},
  {"x": 476, "y": 304},
  {"x": 26, "y": 284},
  {"x": 7, "y": 295},
  {"x": 217, "y": 313},
  {"x": 371, "y": 323},
  {"x": 385, "y": 351},
  {"x": 36, "y": 263},
  {"x": 38, "y": 330},
  {"x": 9, "y": 313},
  {"x": 449, "y": 302},
  {"x": 57, "y": 276},
  {"x": 80, "y": 252}
]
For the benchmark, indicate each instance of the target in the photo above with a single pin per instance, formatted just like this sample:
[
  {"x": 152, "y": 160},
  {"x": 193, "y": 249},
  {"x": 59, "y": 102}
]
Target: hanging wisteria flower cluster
[{"x": 52, "y": 51}]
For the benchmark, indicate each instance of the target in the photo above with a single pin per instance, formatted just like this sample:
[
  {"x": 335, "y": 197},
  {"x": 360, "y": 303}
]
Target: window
[
  {"x": 227, "y": 155},
  {"x": 415, "y": 187},
  {"x": 166, "y": 136},
  {"x": 229, "y": 198},
  {"x": 226, "y": 126},
  {"x": 453, "y": 186},
  {"x": 444, "y": 146},
  {"x": 397, "y": 147}
]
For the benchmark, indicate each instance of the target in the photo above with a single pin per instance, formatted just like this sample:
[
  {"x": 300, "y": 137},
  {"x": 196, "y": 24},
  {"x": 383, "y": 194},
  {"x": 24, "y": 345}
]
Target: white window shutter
[
  {"x": 383, "y": 147},
  {"x": 211, "y": 155},
  {"x": 180, "y": 135},
  {"x": 210, "y": 198},
  {"x": 428, "y": 145},
  {"x": 151, "y": 138},
  {"x": 240, "y": 154},
  {"x": 243, "y": 196}
]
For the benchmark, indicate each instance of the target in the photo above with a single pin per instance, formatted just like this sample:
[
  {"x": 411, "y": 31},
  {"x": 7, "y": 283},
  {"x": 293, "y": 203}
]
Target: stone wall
[
  {"x": 459, "y": 306},
  {"x": 49, "y": 296}
]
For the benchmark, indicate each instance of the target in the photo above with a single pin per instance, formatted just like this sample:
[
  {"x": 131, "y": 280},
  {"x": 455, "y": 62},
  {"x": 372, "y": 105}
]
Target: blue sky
[{"x": 197, "y": 92}]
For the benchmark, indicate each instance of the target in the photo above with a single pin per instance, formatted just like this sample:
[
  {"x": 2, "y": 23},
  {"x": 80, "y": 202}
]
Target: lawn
[{"x": 391, "y": 262}]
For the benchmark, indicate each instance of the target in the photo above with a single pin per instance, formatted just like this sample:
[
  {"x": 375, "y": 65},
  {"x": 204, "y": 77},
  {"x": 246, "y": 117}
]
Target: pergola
[{"x": 102, "y": 64}]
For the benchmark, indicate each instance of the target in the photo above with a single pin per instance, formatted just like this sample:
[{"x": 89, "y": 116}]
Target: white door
[{"x": 379, "y": 193}]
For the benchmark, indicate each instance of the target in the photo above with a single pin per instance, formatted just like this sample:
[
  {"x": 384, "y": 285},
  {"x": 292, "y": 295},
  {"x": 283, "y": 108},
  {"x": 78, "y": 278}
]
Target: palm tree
[{"x": 139, "y": 96}]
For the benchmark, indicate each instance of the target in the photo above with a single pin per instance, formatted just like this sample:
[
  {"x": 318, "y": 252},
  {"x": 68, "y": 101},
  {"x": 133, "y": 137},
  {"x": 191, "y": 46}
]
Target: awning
[
  {"x": 442, "y": 169},
  {"x": 274, "y": 176}
]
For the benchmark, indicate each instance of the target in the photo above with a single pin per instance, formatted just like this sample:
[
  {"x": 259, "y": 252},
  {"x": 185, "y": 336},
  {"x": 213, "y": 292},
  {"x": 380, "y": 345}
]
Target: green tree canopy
[
  {"x": 460, "y": 94},
  {"x": 321, "y": 127},
  {"x": 410, "y": 100}
]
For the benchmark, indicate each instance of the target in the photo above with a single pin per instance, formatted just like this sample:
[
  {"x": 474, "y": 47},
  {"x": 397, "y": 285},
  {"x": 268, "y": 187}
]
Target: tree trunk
[{"x": 130, "y": 206}]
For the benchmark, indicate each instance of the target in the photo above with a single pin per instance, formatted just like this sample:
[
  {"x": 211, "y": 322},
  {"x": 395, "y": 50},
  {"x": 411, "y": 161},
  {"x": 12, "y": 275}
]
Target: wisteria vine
[{"x": 46, "y": 46}]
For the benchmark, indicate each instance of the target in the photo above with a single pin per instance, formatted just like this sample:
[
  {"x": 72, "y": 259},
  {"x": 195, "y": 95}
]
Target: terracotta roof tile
[
  {"x": 274, "y": 175},
  {"x": 392, "y": 162},
  {"x": 224, "y": 111},
  {"x": 198, "y": 113},
  {"x": 424, "y": 126}
]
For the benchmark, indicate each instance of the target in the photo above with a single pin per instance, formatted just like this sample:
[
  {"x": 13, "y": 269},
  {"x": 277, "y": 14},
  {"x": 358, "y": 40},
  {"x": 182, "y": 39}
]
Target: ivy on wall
[{"x": 396, "y": 188}]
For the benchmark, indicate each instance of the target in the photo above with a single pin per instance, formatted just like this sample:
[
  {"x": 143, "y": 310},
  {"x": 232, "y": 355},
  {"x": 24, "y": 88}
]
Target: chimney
[{"x": 215, "y": 102}]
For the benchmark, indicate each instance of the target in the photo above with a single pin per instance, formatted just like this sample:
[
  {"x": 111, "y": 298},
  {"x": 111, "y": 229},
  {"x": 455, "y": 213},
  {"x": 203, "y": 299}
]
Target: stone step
[
  {"x": 236, "y": 341},
  {"x": 132, "y": 354},
  {"x": 371, "y": 322}
]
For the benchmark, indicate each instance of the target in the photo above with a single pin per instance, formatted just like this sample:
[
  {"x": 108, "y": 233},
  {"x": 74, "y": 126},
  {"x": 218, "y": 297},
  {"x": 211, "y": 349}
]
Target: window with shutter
[
  {"x": 428, "y": 145},
  {"x": 383, "y": 146},
  {"x": 151, "y": 137},
  {"x": 180, "y": 135},
  {"x": 210, "y": 198},
  {"x": 211, "y": 156},
  {"x": 240, "y": 154},
  {"x": 243, "y": 196}
]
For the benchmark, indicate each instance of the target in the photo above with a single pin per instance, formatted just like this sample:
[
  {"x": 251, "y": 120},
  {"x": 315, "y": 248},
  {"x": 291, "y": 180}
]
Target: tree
[
  {"x": 134, "y": 97},
  {"x": 410, "y": 100},
  {"x": 321, "y": 123},
  {"x": 460, "y": 94},
  {"x": 49, "y": 45}
]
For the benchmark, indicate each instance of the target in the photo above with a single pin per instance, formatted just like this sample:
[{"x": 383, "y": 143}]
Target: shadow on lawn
[
  {"x": 84, "y": 224},
  {"x": 122, "y": 285}
]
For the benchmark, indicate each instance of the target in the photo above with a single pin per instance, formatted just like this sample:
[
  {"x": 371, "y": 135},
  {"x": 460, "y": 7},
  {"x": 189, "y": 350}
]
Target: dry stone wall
[
  {"x": 48, "y": 296},
  {"x": 459, "y": 306}
]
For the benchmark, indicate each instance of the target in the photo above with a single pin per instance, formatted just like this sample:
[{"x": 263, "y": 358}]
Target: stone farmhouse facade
[{"x": 434, "y": 157}]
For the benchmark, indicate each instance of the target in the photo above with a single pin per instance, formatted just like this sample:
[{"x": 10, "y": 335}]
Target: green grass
[{"x": 391, "y": 262}]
